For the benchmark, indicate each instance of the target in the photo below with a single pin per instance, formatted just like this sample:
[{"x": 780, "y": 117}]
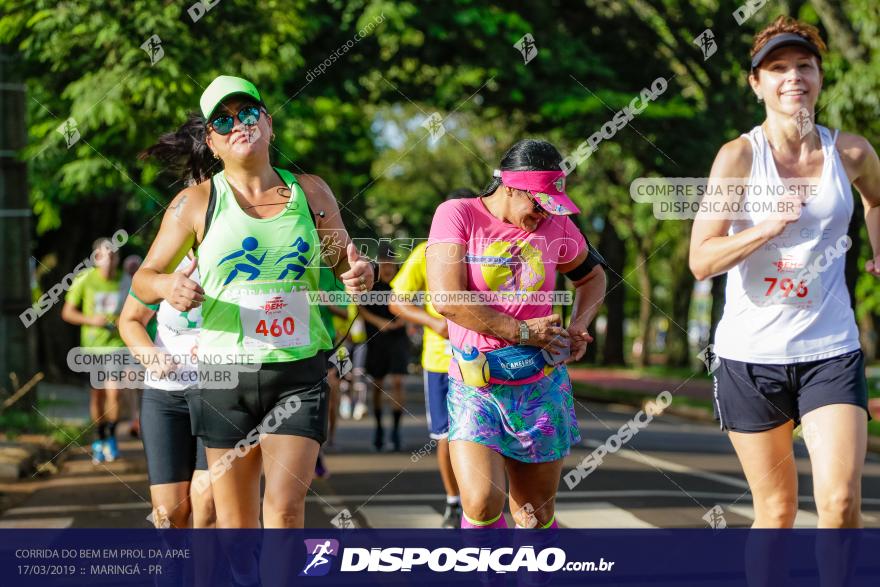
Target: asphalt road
[{"x": 673, "y": 473}]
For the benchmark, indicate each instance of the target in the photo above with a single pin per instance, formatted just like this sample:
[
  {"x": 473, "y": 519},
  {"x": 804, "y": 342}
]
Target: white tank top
[
  {"x": 788, "y": 302},
  {"x": 177, "y": 334}
]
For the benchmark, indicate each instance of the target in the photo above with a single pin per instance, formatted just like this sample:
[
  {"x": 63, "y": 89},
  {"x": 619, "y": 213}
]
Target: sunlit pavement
[{"x": 672, "y": 473}]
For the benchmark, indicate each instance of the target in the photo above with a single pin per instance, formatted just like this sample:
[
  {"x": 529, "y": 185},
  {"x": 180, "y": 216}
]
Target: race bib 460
[{"x": 275, "y": 320}]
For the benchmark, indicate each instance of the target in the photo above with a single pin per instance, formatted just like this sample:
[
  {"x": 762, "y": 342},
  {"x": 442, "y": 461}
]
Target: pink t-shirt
[{"x": 502, "y": 257}]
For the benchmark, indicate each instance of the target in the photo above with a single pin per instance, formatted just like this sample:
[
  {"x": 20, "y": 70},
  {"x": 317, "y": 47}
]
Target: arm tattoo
[{"x": 178, "y": 208}]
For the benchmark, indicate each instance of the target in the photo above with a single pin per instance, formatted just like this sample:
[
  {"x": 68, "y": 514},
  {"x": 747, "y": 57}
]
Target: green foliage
[
  {"x": 14, "y": 423},
  {"x": 852, "y": 103},
  {"x": 358, "y": 123}
]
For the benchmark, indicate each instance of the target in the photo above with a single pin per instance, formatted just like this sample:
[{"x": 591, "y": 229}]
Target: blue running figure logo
[
  {"x": 247, "y": 245},
  {"x": 301, "y": 246}
]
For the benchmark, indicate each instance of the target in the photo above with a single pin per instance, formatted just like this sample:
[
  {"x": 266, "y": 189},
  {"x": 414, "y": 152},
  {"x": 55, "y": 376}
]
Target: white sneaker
[
  {"x": 360, "y": 410},
  {"x": 345, "y": 407}
]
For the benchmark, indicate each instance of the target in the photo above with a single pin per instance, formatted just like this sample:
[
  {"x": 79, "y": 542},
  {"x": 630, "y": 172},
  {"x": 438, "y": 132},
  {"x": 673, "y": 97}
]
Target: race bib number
[
  {"x": 777, "y": 276},
  {"x": 275, "y": 320},
  {"x": 106, "y": 302}
]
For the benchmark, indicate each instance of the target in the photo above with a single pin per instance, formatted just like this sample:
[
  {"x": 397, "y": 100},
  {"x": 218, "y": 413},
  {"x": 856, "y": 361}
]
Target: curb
[{"x": 25, "y": 456}]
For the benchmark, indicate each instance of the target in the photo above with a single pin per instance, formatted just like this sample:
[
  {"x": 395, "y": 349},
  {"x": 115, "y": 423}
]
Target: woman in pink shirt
[{"x": 510, "y": 404}]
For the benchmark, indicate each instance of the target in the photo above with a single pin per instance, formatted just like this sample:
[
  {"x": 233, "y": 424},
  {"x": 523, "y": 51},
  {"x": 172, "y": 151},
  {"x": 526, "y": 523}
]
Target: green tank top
[{"x": 256, "y": 273}]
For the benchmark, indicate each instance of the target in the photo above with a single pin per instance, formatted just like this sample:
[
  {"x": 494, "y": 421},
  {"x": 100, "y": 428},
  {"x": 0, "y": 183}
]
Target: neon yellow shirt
[
  {"x": 95, "y": 295},
  {"x": 357, "y": 331},
  {"x": 413, "y": 277}
]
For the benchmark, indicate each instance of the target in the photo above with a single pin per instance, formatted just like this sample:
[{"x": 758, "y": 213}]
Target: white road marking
[
  {"x": 803, "y": 517},
  {"x": 670, "y": 466},
  {"x": 401, "y": 516}
]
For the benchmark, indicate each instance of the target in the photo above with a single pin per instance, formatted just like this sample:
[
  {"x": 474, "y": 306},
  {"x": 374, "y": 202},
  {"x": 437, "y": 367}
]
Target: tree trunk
[
  {"x": 841, "y": 33},
  {"x": 677, "y": 346},
  {"x": 613, "y": 249},
  {"x": 718, "y": 285},
  {"x": 17, "y": 342},
  {"x": 851, "y": 272},
  {"x": 875, "y": 332},
  {"x": 851, "y": 266},
  {"x": 792, "y": 7},
  {"x": 645, "y": 310},
  {"x": 868, "y": 336}
]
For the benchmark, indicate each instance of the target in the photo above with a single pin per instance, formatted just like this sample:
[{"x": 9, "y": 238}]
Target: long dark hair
[
  {"x": 526, "y": 155},
  {"x": 185, "y": 151},
  {"x": 461, "y": 193}
]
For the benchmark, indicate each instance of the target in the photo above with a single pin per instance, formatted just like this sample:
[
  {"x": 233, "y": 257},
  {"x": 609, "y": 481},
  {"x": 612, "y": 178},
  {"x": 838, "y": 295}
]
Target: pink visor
[{"x": 546, "y": 187}]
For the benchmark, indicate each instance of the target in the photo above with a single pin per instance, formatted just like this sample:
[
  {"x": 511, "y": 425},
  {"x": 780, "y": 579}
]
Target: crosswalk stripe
[
  {"x": 401, "y": 516},
  {"x": 597, "y": 515},
  {"x": 37, "y": 523},
  {"x": 803, "y": 520},
  {"x": 674, "y": 467}
]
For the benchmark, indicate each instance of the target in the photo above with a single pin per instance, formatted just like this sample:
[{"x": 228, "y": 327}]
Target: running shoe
[
  {"x": 452, "y": 516},
  {"x": 321, "y": 471},
  {"x": 98, "y": 452},
  {"x": 345, "y": 407},
  {"x": 111, "y": 450},
  {"x": 360, "y": 410},
  {"x": 395, "y": 439}
]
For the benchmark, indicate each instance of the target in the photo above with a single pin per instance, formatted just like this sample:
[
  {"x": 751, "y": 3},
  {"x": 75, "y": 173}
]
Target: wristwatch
[{"x": 523, "y": 332}]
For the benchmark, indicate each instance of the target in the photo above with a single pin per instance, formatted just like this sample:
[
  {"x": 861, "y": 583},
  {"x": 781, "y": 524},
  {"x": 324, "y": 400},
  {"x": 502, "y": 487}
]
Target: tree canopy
[{"x": 350, "y": 86}]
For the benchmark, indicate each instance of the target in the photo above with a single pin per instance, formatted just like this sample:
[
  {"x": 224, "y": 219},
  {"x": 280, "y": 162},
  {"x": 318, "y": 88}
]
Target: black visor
[{"x": 784, "y": 40}]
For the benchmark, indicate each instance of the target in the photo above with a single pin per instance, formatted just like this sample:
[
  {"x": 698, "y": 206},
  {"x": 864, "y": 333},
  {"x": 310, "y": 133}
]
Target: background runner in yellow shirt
[{"x": 436, "y": 355}]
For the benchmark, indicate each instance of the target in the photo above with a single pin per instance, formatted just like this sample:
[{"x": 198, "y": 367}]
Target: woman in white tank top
[
  {"x": 787, "y": 342},
  {"x": 163, "y": 339}
]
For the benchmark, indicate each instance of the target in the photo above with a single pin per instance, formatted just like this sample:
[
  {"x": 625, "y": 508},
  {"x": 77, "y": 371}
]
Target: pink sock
[{"x": 499, "y": 523}]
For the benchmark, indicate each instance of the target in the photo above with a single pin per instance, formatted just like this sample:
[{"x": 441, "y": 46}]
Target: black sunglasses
[
  {"x": 224, "y": 123},
  {"x": 538, "y": 209}
]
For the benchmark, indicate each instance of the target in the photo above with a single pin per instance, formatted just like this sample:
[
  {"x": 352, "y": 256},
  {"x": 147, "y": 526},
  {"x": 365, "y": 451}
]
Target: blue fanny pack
[{"x": 510, "y": 363}]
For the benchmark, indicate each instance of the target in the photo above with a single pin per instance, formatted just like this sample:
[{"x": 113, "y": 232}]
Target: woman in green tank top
[{"x": 262, "y": 406}]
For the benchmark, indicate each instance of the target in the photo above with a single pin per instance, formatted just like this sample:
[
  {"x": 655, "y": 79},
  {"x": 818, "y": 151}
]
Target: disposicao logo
[{"x": 320, "y": 553}]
